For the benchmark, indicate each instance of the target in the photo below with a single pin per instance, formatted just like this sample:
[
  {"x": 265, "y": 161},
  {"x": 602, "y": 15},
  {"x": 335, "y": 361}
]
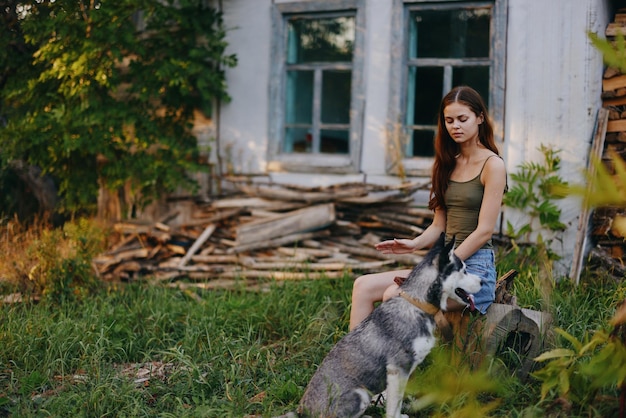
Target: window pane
[
  {"x": 423, "y": 143},
  {"x": 336, "y": 88},
  {"x": 476, "y": 77},
  {"x": 461, "y": 33},
  {"x": 299, "y": 103},
  {"x": 334, "y": 141},
  {"x": 320, "y": 40},
  {"x": 297, "y": 140},
  {"x": 426, "y": 90}
]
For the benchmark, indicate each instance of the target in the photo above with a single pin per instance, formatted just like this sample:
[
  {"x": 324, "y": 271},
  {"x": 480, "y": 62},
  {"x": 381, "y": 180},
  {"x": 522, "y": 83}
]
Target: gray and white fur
[{"x": 382, "y": 352}]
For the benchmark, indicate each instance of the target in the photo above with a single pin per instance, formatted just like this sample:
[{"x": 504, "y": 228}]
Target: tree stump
[{"x": 512, "y": 334}]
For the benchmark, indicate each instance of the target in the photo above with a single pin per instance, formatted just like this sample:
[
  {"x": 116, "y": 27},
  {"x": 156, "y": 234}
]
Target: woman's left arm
[{"x": 494, "y": 181}]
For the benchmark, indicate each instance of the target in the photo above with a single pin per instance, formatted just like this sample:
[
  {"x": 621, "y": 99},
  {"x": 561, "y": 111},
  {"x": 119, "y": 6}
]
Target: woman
[{"x": 468, "y": 182}]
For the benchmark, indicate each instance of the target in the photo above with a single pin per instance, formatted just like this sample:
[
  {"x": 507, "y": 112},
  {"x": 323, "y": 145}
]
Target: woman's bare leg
[{"x": 369, "y": 289}]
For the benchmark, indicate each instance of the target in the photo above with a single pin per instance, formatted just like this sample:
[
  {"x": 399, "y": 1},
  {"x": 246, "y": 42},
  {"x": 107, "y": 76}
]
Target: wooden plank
[
  {"x": 616, "y": 125},
  {"x": 215, "y": 259},
  {"x": 265, "y": 274},
  {"x": 215, "y": 217},
  {"x": 359, "y": 250},
  {"x": 614, "y": 83},
  {"x": 304, "y": 196},
  {"x": 611, "y": 72},
  {"x": 299, "y": 252},
  {"x": 249, "y": 262},
  {"x": 618, "y": 101},
  {"x": 254, "y": 202},
  {"x": 613, "y": 29},
  {"x": 301, "y": 220},
  {"x": 197, "y": 244},
  {"x": 278, "y": 242},
  {"x": 597, "y": 148}
]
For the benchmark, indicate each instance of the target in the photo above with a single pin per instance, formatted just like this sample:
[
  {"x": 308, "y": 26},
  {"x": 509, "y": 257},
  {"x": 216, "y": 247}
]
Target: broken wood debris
[{"x": 270, "y": 231}]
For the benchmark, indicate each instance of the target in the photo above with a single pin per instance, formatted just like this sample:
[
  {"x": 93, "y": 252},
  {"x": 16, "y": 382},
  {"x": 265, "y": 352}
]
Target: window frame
[
  {"x": 314, "y": 162},
  {"x": 399, "y": 134}
]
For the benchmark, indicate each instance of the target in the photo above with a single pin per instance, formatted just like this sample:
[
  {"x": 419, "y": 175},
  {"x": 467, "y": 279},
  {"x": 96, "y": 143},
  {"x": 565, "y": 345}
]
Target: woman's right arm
[{"x": 424, "y": 240}]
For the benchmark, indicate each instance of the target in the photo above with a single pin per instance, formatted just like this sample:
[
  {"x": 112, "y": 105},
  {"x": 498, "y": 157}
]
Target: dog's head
[
  {"x": 453, "y": 279},
  {"x": 441, "y": 276}
]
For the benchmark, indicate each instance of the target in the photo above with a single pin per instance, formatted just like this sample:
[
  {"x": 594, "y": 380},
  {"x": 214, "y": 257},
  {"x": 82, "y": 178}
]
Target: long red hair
[{"x": 446, "y": 149}]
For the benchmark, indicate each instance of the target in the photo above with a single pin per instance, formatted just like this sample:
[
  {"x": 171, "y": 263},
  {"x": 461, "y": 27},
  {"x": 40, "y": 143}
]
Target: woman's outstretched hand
[{"x": 396, "y": 246}]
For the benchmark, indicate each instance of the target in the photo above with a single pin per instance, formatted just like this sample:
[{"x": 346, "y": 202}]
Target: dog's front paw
[{"x": 404, "y": 416}]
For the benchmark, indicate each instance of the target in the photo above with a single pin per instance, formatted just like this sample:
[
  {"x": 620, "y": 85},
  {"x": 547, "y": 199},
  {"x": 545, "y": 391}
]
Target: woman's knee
[
  {"x": 391, "y": 292},
  {"x": 362, "y": 285}
]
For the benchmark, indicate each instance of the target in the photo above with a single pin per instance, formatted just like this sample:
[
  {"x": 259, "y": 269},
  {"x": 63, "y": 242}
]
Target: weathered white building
[{"x": 329, "y": 91}]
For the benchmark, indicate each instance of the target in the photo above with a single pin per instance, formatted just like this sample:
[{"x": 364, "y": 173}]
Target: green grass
[
  {"x": 226, "y": 349},
  {"x": 229, "y": 353}
]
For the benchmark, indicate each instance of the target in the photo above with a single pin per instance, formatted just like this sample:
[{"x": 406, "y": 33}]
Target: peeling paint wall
[
  {"x": 244, "y": 120},
  {"x": 554, "y": 80}
]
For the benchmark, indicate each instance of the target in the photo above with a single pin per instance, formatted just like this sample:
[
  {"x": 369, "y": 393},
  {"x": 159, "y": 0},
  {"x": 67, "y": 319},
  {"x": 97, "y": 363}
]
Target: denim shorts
[{"x": 483, "y": 264}]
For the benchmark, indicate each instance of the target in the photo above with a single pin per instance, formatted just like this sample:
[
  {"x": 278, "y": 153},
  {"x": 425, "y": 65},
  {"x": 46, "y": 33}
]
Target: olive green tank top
[{"x": 463, "y": 200}]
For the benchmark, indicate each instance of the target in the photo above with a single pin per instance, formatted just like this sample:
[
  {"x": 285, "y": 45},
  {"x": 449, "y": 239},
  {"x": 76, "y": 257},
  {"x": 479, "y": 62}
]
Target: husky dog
[{"x": 382, "y": 351}]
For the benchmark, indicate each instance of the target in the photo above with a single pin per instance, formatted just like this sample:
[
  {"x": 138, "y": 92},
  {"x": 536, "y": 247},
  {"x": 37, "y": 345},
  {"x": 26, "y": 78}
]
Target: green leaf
[
  {"x": 556, "y": 353},
  {"x": 569, "y": 337}
]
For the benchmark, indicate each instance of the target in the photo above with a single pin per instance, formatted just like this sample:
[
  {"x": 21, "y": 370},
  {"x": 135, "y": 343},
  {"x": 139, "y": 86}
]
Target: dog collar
[{"x": 430, "y": 309}]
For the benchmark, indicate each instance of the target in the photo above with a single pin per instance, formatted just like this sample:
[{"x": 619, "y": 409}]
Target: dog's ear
[
  {"x": 445, "y": 256},
  {"x": 441, "y": 241},
  {"x": 450, "y": 247}
]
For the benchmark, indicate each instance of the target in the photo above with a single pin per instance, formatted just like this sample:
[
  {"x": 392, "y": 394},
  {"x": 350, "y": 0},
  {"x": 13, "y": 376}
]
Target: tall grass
[
  {"x": 234, "y": 353},
  {"x": 231, "y": 354}
]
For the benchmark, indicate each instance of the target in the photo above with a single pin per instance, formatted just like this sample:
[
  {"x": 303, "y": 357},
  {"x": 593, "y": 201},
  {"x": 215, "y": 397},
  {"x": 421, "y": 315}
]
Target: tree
[{"x": 101, "y": 94}]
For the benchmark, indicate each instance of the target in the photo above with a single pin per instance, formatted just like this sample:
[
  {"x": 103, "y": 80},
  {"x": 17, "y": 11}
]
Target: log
[
  {"x": 616, "y": 125},
  {"x": 613, "y": 29},
  {"x": 215, "y": 217},
  {"x": 513, "y": 334},
  {"x": 253, "y": 202},
  {"x": 278, "y": 242},
  {"x": 351, "y": 247},
  {"x": 523, "y": 331},
  {"x": 215, "y": 259},
  {"x": 249, "y": 262},
  {"x": 301, "y": 220},
  {"x": 197, "y": 244},
  {"x": 614, "y": 83},
  {"x": 601, "y": 257},
  {"x": 305, "y": 253},
  {"x": 303, "y": 196},
  {"x": 264, "y": 274},
  {"x": 106, "y": 262},
  {"x": 611, "y": 72}
]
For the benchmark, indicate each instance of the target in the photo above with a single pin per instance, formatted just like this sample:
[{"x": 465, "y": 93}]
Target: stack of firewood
[
  {"x": 610, "y": 244},
  {"x": 269, "y": 231}
]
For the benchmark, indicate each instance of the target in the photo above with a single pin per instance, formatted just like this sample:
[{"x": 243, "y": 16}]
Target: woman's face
[{"x": 461, "y": 122}]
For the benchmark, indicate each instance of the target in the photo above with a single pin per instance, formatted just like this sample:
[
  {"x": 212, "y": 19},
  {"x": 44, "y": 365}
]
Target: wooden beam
[
  {"x": 597, "y": 148},
  {"x": 618, "y": 125},
  {"x": 613, "y": 29},
  {"x": 297, "y": 221},
  {"x": 618, "y": 101},
  {"x": 614, "y": 83},
  {"x": 197, "y": 244}
]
